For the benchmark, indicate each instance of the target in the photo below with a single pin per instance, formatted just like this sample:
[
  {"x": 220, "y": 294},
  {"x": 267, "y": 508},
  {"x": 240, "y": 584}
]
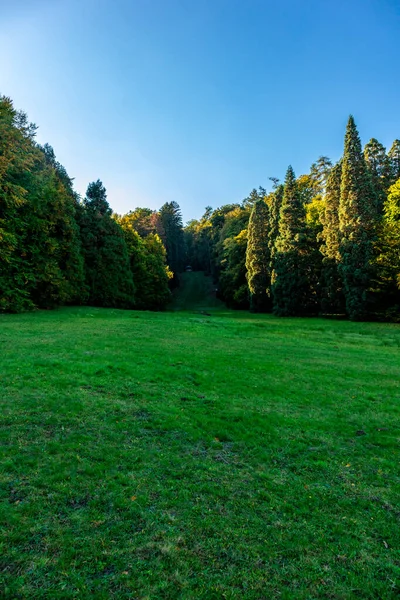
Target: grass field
[{"x": 190, "y": 455}]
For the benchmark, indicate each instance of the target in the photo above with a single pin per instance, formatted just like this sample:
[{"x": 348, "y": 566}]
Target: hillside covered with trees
[{"x": 326, "y": 242}]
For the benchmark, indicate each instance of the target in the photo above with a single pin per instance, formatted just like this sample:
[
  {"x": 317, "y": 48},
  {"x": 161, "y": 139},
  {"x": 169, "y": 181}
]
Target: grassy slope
[{"x": 181, "y": 455}]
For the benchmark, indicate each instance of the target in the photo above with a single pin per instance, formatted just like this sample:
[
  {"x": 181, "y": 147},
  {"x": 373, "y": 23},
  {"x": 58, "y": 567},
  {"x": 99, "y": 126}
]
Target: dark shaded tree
[
  {"x": 290, "y": 279},
  {"x": 171, "y": 220},
  {"x": 357, "y": 217},
  {"x": 258, "y": 258},
  {"x": 378, "y": 164},
  {"x": 394, "y": 158},
  {"x": 107, "y": 267},
  {"x": 332, "y": 299}
]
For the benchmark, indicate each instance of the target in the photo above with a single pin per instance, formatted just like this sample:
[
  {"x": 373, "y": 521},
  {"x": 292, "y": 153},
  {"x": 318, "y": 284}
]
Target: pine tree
[
  {"x": 357, "y": 213},
  {"x": 291, "y": 289},
  {"x": 275, "y": 203},
  {"x": 379, "y": 167},
  {"x": 332, "y": 300},
  {"x": 258, "y": 258},
  {"x": 108, "y": 273},
  {"x": 171, "y": 220},
  {"x": 319, "y": 174},
  {"x": 394, "y": 158}
]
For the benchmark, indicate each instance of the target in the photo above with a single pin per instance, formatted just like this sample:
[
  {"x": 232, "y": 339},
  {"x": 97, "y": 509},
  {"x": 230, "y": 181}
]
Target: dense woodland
[{"x": 327, "y": 242}]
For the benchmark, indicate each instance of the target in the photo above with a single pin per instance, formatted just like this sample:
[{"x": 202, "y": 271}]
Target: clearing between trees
[{"x": 189, "y": 455}]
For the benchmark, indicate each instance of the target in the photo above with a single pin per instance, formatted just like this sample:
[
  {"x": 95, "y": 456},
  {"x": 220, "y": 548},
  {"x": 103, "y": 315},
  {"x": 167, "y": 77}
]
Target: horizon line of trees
[
  {"x": 327, "y": 242},
  {"x": 57, "y": 248}
]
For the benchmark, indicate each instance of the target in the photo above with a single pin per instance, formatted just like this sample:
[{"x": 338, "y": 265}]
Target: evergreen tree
[
  {"x": 319, "y": 174},
  {"x": 107, "y": 268},
  {"x": 291, "y": 287},
  {"x": 148, "y": 265},
  {"x": 171, "y": 219},
  {"x": 379, "y": 167},
  {"x": 258, "y": 258},
  {"x": 357, "y": 213},
  {"x": 332, "y": 300},
  {"x": 389, "y": 243},
  {"x": 16, "y": 158},
  {"x": 394, "y": 158},
  {"x": 41, "y": 263},
  {"x": 275, "y": 203}
]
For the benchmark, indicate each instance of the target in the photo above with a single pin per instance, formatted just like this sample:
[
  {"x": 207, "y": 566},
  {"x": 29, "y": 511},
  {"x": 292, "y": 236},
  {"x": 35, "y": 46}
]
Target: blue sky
[{"x": 199, "y": 101}]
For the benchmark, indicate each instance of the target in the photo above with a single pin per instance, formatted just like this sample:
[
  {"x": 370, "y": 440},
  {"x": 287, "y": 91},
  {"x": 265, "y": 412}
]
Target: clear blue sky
[{"x": 199, "y": 101}]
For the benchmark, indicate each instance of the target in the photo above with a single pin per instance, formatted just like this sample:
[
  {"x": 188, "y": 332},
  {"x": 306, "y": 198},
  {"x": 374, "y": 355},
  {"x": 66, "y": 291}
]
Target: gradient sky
[{"x": 199, "y": 101}]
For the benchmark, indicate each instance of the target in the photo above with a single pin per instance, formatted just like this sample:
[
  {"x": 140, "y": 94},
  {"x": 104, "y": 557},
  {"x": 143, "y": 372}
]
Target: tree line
[
  {"x": 57, "y": 248},
  {"x": 327, "y": 242}
]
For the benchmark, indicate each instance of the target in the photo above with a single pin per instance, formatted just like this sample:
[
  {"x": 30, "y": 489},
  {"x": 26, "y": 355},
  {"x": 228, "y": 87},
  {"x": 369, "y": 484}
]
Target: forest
[{"x": 323, "y": 243}]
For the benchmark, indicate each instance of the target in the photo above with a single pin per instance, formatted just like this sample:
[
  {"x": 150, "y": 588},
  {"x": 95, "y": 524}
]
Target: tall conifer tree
[
  {"x": 394, "y": 158},
  {"x": 291, "y": 291},
  {"x": 258, "y": 258},
  {"x": 108, "y": 273},
  {"x": 379, "y": 167},
  {"x": 357, "y": 211},
  {"x": 331, "y": 295}
]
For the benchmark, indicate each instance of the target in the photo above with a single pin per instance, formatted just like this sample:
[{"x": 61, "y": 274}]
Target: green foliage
[
  {"x": 199, "y": 243},
  {"x": 232, "y": 283},
  {"x": 258, "y": 258},
  {"x": 357, "y": 220},
  {"x": 292, "y": 294},
  {"x": 379, "y": 167},
  {"x": 41, "y": 262},
  {"x": 389, "y": 244},
  {"x": 394, "y": 157},
  {"x": 332, "y": 299},
  {"x": 148, "y": 265},
  {"x": 171, "y": 220},
  {"x": 107, "y": 268},
  {"x": 230, "y": 253},
  {"x": 274, "y": 202}
]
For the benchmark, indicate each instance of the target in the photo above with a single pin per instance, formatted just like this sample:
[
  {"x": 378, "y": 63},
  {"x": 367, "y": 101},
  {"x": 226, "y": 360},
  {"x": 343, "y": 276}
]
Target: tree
[
  {"x": 171, "y": 219},
  {"x": 258, "y": 258},
  {"x": 41, "y": 263},
  {"x": 389, "y": 243},
  {"x": 291, "y": 286},
  {"x": 332, "y": 300},
  {"x": 357, "y": 213},
  {"x": 150, "y": 273},
  {"x": 319, "y": 174},
  {"x": 16, "y": 158},
  {"x": 378, "y": 164},
  {"x": 274, "y": 202},
  {"x": 107, "y": 268},
  {"x": 394, "y": 158}
]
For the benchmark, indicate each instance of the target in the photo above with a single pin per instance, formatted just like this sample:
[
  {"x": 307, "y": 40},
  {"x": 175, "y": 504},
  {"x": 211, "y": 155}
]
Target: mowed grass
[{"x": 183, "y": 455}]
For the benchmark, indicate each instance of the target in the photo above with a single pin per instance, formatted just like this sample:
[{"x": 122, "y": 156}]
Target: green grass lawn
[{"x": 184, "y": 455}]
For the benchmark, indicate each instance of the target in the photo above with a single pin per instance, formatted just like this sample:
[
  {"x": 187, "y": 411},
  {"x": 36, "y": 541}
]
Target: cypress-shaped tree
[
  {"x": 379, "y": 167},
  {"x": 107, "y": 268},
  {"x": 394, "y": 158},
  {"x": 291, "y": 289},
  {"x": 357, "y": 218},
  {"x": 258, "y": 258},
  {"x": 332, "y": 300}
]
